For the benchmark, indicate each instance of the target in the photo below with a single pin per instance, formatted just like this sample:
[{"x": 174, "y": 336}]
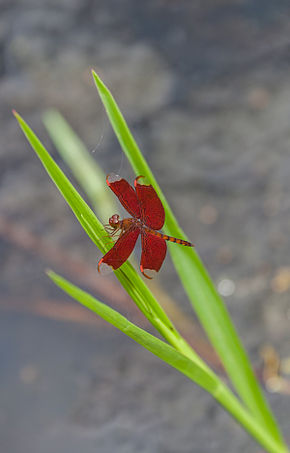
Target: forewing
[
  {"x": 125, "y": 193},
  {"x": 152, "y": 211},
  {"x": 153, "y": 252},
  {"x": 120, "y": 252}
]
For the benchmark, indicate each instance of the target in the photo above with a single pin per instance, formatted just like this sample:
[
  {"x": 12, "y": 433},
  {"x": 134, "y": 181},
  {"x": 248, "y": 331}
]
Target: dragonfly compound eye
[{"x": 114, "y": 220}]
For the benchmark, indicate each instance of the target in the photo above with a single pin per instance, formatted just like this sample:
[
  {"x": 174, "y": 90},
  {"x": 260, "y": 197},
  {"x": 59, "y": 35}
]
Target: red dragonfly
[{"x": 148, "y": 216}]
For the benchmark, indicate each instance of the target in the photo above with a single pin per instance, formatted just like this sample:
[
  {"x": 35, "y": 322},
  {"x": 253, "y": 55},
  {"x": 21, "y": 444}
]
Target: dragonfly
[{"x": 147, "y": 217}]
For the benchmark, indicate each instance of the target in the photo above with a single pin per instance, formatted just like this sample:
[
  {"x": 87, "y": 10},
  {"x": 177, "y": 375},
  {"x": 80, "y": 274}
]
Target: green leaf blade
[
  {"x": 84, "y": 167},
  {"x": 198, "y": 285},
  {"x": 151, "y": 343},
  {"x": 131, "y": 281},
  {"x": 81, "y": 210},
  {"x": 206, "y": 380},
  {"x": 196, "y": 370}
]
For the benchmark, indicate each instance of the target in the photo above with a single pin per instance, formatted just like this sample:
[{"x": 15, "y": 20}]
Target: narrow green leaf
[
  {"x": 148, "y": 341},
  {"x": 149, "y": 304},
  {"x": 84, "y": 167},
  {"x": 128, "y": 277},
  {"x": 82, "y": 211},
  {"x": 208, "y": 381},
  {"x": 134, "y": 285},
  {"x": 197, "y": 283}
]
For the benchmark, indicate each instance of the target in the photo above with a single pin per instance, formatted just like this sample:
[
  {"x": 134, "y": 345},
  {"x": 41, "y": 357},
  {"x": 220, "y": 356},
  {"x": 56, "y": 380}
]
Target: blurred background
[{"x": 205, "y": 88}]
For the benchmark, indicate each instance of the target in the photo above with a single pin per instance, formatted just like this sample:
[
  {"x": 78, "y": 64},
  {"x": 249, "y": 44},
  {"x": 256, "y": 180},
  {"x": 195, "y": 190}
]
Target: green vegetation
[{"x": 250, "y": 408}]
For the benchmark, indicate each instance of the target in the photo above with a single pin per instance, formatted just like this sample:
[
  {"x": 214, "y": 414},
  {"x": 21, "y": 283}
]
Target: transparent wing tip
[
  {"x": 104, "y": 268},
  {"x": 148, "y": 273},
  {"x": 112, "y": 177}
]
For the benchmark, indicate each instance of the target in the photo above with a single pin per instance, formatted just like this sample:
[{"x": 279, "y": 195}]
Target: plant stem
[
  {"x": 180, "y": 344},
  {"x": 226, "y": 398},
  {"x": 224, "y": 395},
  {"x": 229, "y": 401}
]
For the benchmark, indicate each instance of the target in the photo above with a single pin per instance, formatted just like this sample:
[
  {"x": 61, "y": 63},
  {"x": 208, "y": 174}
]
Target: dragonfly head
[{"x": 114, "y": 221}]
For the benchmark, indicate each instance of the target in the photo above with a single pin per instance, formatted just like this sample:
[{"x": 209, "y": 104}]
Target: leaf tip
[
  {"x": 49, "y": 273},
  {"x": 98, "y": 81},
  {"x": 95, "y": 76},
  {"x": 17, "y": 116}
]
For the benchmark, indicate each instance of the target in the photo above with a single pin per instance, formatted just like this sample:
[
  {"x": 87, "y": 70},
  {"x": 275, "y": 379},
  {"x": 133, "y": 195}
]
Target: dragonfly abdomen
[{"x": 169, "y": 238}]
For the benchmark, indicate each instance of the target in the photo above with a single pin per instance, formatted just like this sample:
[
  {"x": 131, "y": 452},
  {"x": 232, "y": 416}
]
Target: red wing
[
  {"x": 153, "y": 252},
  {"x": 152, "y": 211},
  {"x": 125, "y": 193},
  {"x": 120, "y": 252}
]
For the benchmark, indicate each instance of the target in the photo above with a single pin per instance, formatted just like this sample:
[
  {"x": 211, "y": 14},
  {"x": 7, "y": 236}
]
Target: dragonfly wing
[
  {"x": 125, "y": 193},
  {"x": 152, "y": 211},
  {"x": 153, "y": 253},
  {"x": 120, "y": 252}
]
